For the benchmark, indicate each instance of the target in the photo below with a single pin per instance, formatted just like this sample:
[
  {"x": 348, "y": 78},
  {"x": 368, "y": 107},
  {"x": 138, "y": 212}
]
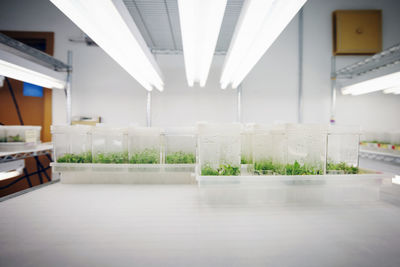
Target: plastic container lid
[
  {"x": 144, "y": 131},
  {"x": 60, "y": 129}
]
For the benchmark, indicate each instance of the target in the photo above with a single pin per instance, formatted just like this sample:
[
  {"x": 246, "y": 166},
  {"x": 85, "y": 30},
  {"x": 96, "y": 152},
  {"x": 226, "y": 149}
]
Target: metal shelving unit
[
  {"x": 31, "y": 54},
  {"x": 385, "y": 62}
]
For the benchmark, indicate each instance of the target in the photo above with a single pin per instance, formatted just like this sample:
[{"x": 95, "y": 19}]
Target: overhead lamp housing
[
  {"x": 200, "y": 22},
  {"x": 109, "y": 24},
  {"x": 259, "y": 25}
]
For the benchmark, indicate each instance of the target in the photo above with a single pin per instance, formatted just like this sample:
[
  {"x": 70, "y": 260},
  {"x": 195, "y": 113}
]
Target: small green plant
[
  {"x": 147, "y": 156},
  {"x": 342, "y": 166},
  {"x": 223, "y": 170},
  {"x": 180, "y": 157},
  {"x": 116, "y": 158},
  {"x": 14, "y": 138},
  {"x": 76, "y": 158},
  {"x": 263, "y": 167},
  {"x": 3, "y": 140},
  {"x": 245, "y": 160}
]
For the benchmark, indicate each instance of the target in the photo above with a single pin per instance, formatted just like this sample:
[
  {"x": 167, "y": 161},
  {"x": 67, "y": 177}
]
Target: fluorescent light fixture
[
  {"x": 22, "y": 69},
  {"x": 373, "y": 85},
  {"x": 109, "y": 24},
  {"x": 10, "y": 174},
  {"x": 393, "y": 90},
  {"x": 259, "y": 25},
  {"x": 200, "y": 22}
]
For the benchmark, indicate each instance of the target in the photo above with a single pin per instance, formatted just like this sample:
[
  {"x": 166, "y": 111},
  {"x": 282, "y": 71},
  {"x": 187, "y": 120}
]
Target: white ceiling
[{"x": 158, "y": 21}]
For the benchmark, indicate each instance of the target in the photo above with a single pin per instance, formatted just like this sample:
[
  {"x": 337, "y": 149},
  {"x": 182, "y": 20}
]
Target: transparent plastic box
[
  {"x": 306, "y": 149},
  {"x": 246, "y": 142},
  {"x": 22, "y": 134},
  {"x": 110, "y": 145},
  {"x": 180, "y": 145},
  {"x": 145, "y": 145},
  {"x": 270, "y": 150},
  {"x": 72, "y": 144},
  {"x": 3, "y": 135},
  {"x": 219, "y": 149},
  {"x": 343, "y": 147}
]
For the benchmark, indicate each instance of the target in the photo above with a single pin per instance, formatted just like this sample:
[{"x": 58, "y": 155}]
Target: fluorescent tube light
[
  {"x": 259, "y": 25},
  {"x": 373, "y": 85},
  {"x": 22, "y": 69},
  {"x": 200, "y": 22},
  {"x": 393, "y": 90},
  {"x": 109, "y": 24},
  {"x": 10, "y": 174}
]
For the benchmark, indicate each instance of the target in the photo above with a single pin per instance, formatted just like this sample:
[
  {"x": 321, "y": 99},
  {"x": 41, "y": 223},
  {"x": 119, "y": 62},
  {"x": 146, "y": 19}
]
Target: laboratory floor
[{"x": 174, "y": 225}]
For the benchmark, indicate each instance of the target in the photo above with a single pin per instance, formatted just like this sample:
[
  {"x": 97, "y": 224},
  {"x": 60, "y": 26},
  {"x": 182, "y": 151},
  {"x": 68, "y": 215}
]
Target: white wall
[{"x": 101, "y": 87}]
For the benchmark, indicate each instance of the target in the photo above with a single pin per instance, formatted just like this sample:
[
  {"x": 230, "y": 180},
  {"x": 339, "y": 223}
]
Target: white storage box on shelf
[
  {"x": 145, "y": 145},
  {"x": 72, "y": 144},
  {"x": 218, "y": 149},
  {"x": 19, "y": 137},
  {"x": 343, "y": 147},
  {"x": 270, "y": 150}
]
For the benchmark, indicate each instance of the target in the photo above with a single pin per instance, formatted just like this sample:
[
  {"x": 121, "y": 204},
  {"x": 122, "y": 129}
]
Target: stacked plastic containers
[
  {"x": 219, "y": 149},
  {"x": 110, "y": 144},
  {"x": 145, "y": 145},
  {"x": 306, "y": 149},
  {"x": 72, "y": 144},
  {"x": 180, "y": 145},
  {"x": 343, "y": 147}
]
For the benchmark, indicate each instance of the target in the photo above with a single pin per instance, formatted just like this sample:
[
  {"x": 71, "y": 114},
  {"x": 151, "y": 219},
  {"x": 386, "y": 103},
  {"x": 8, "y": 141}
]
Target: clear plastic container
[
  {"x": 246, "y": 142},
  {"x": 3, "y": 135},
  {"x": 110, "y": 145},
  {"x": 145, "y": 145},
  {"x": 72, "y": 144},
  {"x": 306, "y": 149},
  {"x": 219, "y": 149},
  {"x": 270, "y": 150},
  {"x": 23, "y": 134},
  {"x": 180, "y": 145},
  {"x": 343, "y": 147}
]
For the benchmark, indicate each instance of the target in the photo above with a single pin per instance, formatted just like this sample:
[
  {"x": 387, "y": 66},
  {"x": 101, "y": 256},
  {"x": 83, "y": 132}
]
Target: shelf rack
[
  {"x": 385, "y": 62},
  {"x": 22, "y": 50},
  {"x": 34, "y": 55}
]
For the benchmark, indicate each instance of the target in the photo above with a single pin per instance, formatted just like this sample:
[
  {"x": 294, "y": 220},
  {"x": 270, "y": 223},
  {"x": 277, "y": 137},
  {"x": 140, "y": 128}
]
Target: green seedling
[
  {"x": 180, "y": 157},
  {"x": 245, "y": 160},
  {"x": 111, "y": 158},
  {"x": 342, "y": 166},
  {"x": 3, "y": 140},
  {"x": 296, "y": 168},
  {"x": 14, "y": 138},
  {"x": 76, "y": 158},
  {"x": 223, "y": 170},
  {"x": 147, "y": 156}
]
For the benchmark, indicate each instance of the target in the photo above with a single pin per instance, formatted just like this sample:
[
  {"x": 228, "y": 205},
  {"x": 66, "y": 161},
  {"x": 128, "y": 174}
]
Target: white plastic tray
[
  {"x": 221, "y": 190},
  {"x": 91, "y": 173}
]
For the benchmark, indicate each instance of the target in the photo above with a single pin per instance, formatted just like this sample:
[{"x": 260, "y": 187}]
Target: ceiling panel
[{"x": 158, "y": 21}]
